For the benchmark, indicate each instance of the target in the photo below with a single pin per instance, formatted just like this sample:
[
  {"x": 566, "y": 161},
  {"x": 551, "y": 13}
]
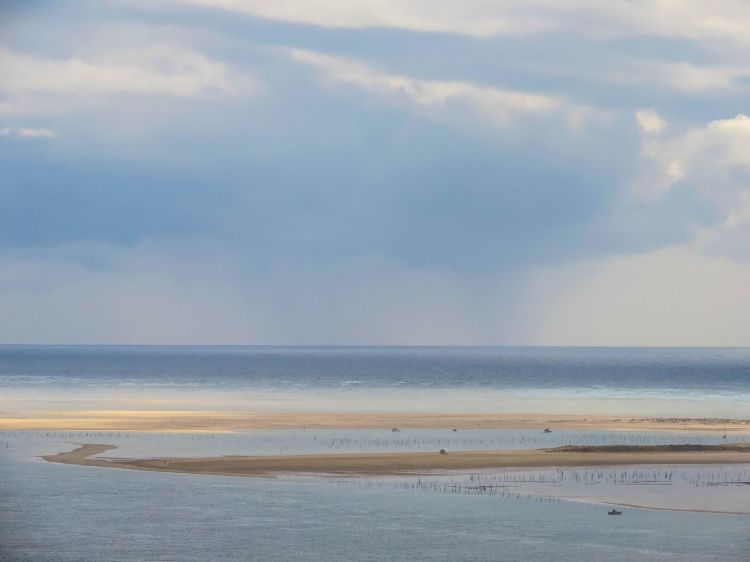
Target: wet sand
[
  {"x": 411, "y": 463},
  {"x": 217, "y": 421}
]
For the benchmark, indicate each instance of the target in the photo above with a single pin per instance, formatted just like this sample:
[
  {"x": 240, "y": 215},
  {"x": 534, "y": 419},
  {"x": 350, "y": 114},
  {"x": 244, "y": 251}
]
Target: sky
[{"x": 410, "y": 172}]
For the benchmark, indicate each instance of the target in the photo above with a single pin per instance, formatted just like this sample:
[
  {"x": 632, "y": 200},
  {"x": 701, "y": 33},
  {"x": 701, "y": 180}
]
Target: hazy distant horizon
[
  {"x": 374, "y": 345},
  {"x": 665, "y": 382}
]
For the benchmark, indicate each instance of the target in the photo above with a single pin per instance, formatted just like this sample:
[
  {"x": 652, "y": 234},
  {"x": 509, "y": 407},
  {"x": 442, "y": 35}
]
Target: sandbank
[{"x": 417, "y": 463}]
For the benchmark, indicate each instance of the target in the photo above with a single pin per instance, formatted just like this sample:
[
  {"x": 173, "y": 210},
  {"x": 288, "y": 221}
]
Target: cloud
[
  {"x": 397, "y": 187},
  {"x": 701, "y": 176},
  {"x": 683, "y": 77},
  {"x": 690, "y": 78},
  {"x": 27, "y": 133},
  {"x": 730, "y": 236},
  {"x": 650, "y": 121},
  {"x": 481, "y": 18},
  {"x": 98, "y": 294},
  {"x": 436, "y": 97},
  {"x": 712, "y": 160},
  {"x": 170, "y": 292},
  {"x": 674, "y": 296},
  {"x": 32, "y": 83},
  {"x": 692, "y": 293},
  {"x": 688, "y": 19}
]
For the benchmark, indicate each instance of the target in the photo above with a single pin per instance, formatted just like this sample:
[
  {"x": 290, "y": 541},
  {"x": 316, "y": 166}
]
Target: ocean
[
  {"x": 706, "y": 370},
  {"x": 668, "y": 382},
  {"x": 56, "y": 512}
]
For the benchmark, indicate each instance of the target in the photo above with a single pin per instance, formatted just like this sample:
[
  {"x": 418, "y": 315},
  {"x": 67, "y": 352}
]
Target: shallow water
[
  {"x": 302, "y": 441},
  {"x": 60, "y": 512},
  {"x": 708, "y": 488},
  {"x": 71, "y": 513}
]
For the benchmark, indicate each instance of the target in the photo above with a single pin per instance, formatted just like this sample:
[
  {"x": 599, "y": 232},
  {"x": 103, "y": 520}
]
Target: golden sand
[{"x": 217, "y": 421}]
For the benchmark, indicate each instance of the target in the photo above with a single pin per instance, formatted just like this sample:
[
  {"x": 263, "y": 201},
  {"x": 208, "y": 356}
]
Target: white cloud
[
  {"x": 649, "y": 121},
  {"x": 27, "y": 133},
  {"x": 713, "y": 163},
  {"x": 33, "y": 83},
  {"x": 435, "y": 97},
  {"x": 692, "y": 294},
  {"x": 683, "y": 77},
  {"x": 695, "y": 293},
  {"x": 690, "y": 78},
  {"x": 481, "y": 18},
  {"x": 691, "y": 19},
  {"x": 709, "y": 159}
]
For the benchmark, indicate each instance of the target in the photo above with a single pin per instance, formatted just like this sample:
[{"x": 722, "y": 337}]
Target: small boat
[
  {"x": 395, "y": 429},
  {"x": 443, "y": 451},
  {"x": 614, "y": 512},
  {"x": 547, "y": 430}
]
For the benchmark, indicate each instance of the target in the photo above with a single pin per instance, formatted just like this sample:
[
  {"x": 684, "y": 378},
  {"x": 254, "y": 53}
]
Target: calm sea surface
[
  {"x": 677, "y": 369},
  {"x": 54, "y": 512},
  {"x": 660, "y": 382}
]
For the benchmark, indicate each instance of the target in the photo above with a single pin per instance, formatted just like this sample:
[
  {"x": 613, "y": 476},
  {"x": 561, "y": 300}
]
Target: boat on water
[
  {"x": 547, "y": 430},
  {"x": 614, "y": 512}
]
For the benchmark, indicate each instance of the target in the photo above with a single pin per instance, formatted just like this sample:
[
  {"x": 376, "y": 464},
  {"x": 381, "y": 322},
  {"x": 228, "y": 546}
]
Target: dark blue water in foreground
[{"x": 706, "y": 370}]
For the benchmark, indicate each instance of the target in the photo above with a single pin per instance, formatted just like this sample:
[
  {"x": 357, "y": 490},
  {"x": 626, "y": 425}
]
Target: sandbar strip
[{"x": 416, "y": 463}]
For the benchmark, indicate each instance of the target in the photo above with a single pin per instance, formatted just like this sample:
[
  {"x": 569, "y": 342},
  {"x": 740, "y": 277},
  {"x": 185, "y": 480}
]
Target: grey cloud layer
[{"x": 450, "y": 153}]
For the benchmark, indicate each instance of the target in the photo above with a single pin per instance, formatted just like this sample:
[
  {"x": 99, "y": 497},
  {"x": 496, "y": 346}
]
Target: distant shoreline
[
  {"x": 217, "y": 421},
  {"x": 416, "y": 463}
]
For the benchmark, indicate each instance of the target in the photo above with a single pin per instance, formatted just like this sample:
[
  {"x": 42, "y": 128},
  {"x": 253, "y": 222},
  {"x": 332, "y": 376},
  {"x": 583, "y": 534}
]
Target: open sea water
[
  {"x": 677, "y": 382},
  {"x": 708, "y": 370}
]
